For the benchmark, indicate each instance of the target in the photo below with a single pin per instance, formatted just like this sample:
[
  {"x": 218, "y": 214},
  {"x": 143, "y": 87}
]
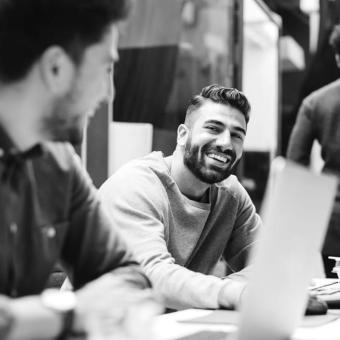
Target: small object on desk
[
  {"x": 332, "y": 300},
  {"x": 328, "y": 292},
  {"x": 315, "y": 306}
]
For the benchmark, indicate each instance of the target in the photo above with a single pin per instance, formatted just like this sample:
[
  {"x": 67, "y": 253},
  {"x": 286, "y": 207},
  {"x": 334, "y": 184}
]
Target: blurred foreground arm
[{"x": 107, "y": 298}]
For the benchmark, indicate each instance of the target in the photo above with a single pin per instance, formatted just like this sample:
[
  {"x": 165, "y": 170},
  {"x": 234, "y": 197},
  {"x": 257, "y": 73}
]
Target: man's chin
[
  {"x": 212, "y": 176},
  {"x": 212, "y": 179}
]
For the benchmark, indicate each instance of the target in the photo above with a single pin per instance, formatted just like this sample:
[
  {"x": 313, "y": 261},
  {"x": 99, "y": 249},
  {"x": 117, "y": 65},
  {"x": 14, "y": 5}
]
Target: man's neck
[
  {"x": 189, "y": 185},
  {"x": 18, "y": 117}
]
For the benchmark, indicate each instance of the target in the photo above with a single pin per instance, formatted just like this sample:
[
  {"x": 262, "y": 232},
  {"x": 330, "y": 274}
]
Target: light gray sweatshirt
[{"x": 178, "y": 241}]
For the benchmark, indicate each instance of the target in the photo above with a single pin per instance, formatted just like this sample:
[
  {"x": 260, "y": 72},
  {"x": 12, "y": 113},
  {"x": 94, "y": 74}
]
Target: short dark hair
[
  {"x": 334, "y": 39},
  {"x": 29, "y": 27},
  {"x": 222, "y": 95}
]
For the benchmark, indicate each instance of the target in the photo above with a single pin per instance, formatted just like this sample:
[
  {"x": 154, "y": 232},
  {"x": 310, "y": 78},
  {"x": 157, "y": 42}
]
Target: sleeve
[
  {"x": 94, "y": 246},
  {"x": 243, "y": 237},
  {"x": 302, "y": 137},
  {"x": 135, "y": 202}
]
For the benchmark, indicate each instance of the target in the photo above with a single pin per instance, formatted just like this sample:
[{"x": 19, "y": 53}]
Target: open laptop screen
[{"x": 295, "y": 215}]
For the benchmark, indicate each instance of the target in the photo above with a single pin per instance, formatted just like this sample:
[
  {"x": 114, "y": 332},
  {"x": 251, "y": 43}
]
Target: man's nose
[{"x": 224, "y": 140}]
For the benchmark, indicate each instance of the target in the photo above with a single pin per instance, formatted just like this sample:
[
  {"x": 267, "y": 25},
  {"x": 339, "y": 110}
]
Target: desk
[{"x": 169, "y": 327}]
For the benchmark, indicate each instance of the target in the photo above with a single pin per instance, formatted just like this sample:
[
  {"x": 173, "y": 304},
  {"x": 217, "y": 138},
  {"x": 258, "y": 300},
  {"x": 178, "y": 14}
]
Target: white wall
[
  {"x": 128, "y": 141},
  {"x": 260, "y": 77}
]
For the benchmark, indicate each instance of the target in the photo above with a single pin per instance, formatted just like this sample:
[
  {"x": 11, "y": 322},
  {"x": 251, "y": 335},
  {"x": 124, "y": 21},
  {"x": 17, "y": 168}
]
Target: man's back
[{"x": 319, "y": 119}]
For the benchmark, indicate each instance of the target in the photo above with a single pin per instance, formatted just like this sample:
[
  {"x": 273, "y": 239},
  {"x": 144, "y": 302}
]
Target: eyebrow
[{"x": 217, "y": 122}]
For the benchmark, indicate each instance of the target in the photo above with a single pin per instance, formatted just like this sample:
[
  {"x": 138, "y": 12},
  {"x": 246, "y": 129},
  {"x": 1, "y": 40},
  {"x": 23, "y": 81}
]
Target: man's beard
[
  {"x": 194, "y": 160},
  {"x": 64, "y": 125}
]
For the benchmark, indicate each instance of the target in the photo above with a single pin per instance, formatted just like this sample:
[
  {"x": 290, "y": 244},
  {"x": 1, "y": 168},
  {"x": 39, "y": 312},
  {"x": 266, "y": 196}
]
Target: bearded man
[
  {"x": 56, "y": 65},
  {"x": 182, "y": 213}
]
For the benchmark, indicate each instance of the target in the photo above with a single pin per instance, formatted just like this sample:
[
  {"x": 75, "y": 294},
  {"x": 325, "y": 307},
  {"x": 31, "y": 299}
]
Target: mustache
[{"x": 228, "y": 152}]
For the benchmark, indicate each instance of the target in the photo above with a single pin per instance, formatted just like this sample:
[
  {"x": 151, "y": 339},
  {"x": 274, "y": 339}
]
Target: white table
[{"x": 168, "y": 327}]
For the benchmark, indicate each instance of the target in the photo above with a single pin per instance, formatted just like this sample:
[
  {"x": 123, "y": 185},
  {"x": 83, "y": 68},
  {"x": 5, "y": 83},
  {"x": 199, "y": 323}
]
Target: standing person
[
  {"x": 56, "y": 65},
  {"x": 183, "y": 213},
  {"x": 319, "y": 119}
]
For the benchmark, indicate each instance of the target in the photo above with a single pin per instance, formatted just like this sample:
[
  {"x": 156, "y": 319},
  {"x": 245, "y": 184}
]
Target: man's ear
[
  {"x": 182, "y": 134},
  {"x": 337, "y": 59},
  {"x": 57, "y": 70}
]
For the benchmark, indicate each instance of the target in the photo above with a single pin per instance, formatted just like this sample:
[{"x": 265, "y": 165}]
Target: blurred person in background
[
  {"x": 56, "y": 65},
  {"x": 318, "y": 119},
  {"x": 182, "y": 213}
]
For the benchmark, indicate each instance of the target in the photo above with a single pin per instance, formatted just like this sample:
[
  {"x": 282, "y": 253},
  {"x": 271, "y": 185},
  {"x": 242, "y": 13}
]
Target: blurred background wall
[{"x": 276, "y": 51}]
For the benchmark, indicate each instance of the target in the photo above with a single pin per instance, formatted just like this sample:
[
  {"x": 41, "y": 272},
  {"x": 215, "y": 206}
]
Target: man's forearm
[
  {"x": 133, "y": 275},
  {"x": 33, "y": 320},
  {"x": 182, "y": 288}
]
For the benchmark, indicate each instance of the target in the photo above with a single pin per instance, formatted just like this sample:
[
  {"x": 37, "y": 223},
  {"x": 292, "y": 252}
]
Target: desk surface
[{"x": 169, "y": 326}]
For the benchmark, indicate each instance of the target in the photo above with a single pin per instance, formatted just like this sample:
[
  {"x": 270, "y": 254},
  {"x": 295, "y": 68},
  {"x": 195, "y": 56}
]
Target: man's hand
[
  {"x": 32, "y": 320},
  {"x": 315, "y": 306},
  {"x": 109, "y": 304},
  {"x": 231, "y": 294}
]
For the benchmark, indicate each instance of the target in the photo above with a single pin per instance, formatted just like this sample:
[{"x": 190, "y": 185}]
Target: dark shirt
[
  {"x": 319, "y": 119},
  {"x": 49, "y": 212}
]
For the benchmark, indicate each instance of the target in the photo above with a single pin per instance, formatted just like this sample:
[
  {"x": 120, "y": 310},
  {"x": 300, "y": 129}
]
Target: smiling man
[
  {"x": 56, "y": 65},
  {"x": 182, "y": 213}
]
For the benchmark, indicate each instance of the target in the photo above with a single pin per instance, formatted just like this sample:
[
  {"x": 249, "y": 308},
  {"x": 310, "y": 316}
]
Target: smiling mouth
[{"x": 218, "y": 157}]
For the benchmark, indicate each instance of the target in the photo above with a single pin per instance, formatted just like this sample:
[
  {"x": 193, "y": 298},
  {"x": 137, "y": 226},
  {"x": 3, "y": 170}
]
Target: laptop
[{"x": 295, "y": 216}]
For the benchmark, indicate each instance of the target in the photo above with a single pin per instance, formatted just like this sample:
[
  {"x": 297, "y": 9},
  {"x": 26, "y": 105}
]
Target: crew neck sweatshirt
[{"x": 177, "y": 240}]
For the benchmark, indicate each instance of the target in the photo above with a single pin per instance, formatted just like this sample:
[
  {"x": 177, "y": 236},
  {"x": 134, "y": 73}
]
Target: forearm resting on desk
[{"x": 31, "y": 319}]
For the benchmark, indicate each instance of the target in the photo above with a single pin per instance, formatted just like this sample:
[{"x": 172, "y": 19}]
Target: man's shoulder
[
  {"x": 144, "y": 167},
  {"x": 140, "y": 174},
  {"x": 330, "y": 90}
]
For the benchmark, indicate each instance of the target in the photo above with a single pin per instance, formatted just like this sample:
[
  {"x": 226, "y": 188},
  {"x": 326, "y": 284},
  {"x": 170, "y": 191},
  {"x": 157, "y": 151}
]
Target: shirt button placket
[{"x": 13, "y": 228}]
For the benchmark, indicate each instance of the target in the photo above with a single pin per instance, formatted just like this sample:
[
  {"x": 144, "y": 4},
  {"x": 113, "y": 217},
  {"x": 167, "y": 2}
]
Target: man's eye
[
  {"x": 212, "y": 128},
  {"x": 237, "y": 135}
]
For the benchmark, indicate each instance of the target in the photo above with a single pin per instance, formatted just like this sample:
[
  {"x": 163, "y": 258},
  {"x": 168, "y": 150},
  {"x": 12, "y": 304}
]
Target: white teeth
[{"x": 218, "y": 157}]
